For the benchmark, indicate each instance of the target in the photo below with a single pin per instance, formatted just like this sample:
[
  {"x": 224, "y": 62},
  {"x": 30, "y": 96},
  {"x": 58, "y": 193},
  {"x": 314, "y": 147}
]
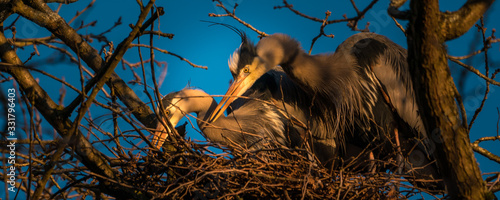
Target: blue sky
[{"x": 211, "y": 46}]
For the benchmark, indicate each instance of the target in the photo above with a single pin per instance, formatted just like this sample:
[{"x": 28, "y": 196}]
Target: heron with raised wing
[{"x": 361, "y": 93}]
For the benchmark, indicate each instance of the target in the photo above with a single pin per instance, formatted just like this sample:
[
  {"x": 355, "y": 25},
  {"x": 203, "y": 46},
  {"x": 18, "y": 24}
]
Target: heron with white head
[{"x": 237, "y": 129}]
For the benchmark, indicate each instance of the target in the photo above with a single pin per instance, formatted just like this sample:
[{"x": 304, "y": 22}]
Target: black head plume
[{"x": 244, "y": 54}]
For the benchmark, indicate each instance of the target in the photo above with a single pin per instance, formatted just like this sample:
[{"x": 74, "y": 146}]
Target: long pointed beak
[
  {"x": 161, "y": 133},
  {"x": 239, "y": 86}
]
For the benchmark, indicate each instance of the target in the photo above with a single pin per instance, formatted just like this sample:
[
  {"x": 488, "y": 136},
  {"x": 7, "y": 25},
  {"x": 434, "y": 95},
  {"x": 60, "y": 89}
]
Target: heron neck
[
  {"x": 214, "y": 130},
  {"x": 202, "y": 104}
]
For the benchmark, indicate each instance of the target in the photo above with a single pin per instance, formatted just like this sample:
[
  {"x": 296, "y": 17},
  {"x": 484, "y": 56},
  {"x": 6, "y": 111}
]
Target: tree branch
[
  {"x": 455, "y": 24},
  {"x": 57, "y": 26},
  {"x": 394, "y": 11},
  {"x": 92, "y": 158},
  {"x": 435, "y": 92},
  {"x": 170, "y": 53},
  {"x": 484, "y": 152},
  {"x": 474, "y": 70},
  {"x": 60, "y": 1},
  {"x": 231, "y": 14}
]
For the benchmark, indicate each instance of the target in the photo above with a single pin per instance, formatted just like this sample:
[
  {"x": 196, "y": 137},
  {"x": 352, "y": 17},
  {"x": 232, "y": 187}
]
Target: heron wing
[{"x": 387, "y": 61}]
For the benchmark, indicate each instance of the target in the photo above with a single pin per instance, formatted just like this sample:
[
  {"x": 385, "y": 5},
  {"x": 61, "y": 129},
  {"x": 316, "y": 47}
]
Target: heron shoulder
[{"x": 384, "y": 62}]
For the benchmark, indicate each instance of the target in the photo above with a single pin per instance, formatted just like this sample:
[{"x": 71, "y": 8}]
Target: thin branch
[
  {"x": 484, "y": 152},
  {"x": 170, "y": 53},
  {"x": 78, "y": 13},
  {"x": 467, "y": 56},
  {"x": 474, "y": 70},
  {"x": 355, "y": 7},
  {"x": 159, "y": 33},
  {"x": 60, "y": 1},
  {"x": 50, "y": 110},
  {"x": 290, "y": 7},
  {"x": 352, "y": 22},
  {"x": 394, "y": 11},
  {"x": 321, "y": 31},
  {"x": 399, "y": 25},
  {"x": 57, "y": 26},
  {"x": 487, "y": 70},
  {"x": 232, "y": 14}
]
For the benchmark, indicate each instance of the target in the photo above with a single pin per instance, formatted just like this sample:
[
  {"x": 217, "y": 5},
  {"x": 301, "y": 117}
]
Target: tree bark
[
  {"x": 57, "y": 115},
  {"x": 58, "y": 26},
  {"x": 92, "y": 158},
  {"x": 427, "y": 32}
]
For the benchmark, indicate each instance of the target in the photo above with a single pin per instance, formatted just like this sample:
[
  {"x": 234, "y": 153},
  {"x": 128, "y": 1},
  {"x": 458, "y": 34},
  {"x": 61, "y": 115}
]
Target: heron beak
[
  {"x": 239, "y": 86},
  {"x": 161, "y": 133}
]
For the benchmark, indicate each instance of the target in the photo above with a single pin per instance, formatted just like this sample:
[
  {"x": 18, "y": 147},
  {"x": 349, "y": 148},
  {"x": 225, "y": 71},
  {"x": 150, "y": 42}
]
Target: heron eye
[
  {"x": 246, "y": 70},
  {"x": 167, "y": 112}
]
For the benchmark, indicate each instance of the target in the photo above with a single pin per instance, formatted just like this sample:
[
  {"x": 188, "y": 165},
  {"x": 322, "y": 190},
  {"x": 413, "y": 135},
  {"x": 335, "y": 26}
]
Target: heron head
[
  {"x": 247, "y": 67},
  {"x": 170, "y": 113},
  {"x": 176, "y": 106}
]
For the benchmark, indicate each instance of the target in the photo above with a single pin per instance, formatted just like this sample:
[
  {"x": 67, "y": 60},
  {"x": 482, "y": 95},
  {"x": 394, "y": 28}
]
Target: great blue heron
[
  {"x": 261, "y": 118},
  {"x": 265, "y": 114},
  {"x": 239, "y": 128},
  {"x": 292, "y": 100},
  {"x": 361, "y": 92}
]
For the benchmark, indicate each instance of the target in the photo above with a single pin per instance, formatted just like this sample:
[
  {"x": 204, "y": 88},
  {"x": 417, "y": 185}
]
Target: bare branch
[
  {"x": 78, "y": 13},
  {"x": 321, "y": 31},
  {"x": 487, "y": 70},
  {"x": 484, "y": 152},
  {"x": 170, "y": 53},
  {"x": 90, "y": 156},
  {"x": 455, "y": 24},
  {"x": 232, "y": 14},
  {"x": 399, "y": 25},
  {"x": 394, "y": 11},
  {"x": 474, "y": 70},
  {"x": 60, "y": 1},
  {"x": 290, "y": 7},
  {"x": 159, "y": 33},
  {"x": 56, "y": 25},
  {"x": 353, "y": 21}
]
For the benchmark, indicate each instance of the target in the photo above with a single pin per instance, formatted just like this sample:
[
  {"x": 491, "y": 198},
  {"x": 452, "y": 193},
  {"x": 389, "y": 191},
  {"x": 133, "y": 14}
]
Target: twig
[
  {"x": 484, "y": 152},
  {"x": 60, "y": 1},
  {"x": 394, "y": 11},
  {"x": 169, "y": 53},
  {"x": 487, "y": 70},
  {"x": 78, "y": 13},
  {"x": 353, "y": 20},
  {"x": 399, "y": 25},
  {"x": 290, "y": 7},
  {"x": 321, "y": 31},
  {"x": 232, "y": 14},
  {"x": 475, "y": 71},
  {"x": 467, "y": 56},
  {"x": 159, "y": 33}
]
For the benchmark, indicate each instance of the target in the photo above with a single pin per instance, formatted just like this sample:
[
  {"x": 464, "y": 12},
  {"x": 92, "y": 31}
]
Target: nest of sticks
[{"x": 188, "y": 170}]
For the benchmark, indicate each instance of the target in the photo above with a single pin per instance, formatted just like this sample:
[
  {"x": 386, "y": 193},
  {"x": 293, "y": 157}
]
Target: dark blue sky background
[{"x": 211, "y": 46}]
